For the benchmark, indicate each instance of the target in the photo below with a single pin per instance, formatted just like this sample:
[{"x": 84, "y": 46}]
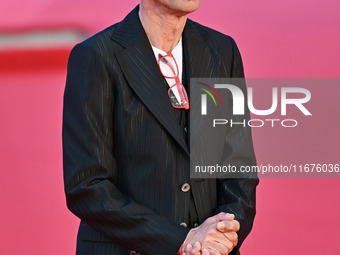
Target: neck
[{"x": 163, "y": 28}]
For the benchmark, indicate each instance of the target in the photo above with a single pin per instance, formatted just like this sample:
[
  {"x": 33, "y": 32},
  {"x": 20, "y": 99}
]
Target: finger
[
  {"x": 218, "y": 217},
  {"x": 196, "y": 253},
  {"x": 188, "y": 248},
  {"x": 224, "y": 216},
  {"x": 237, "y": 225},
  {"x": 205, "y": 252},
  {"x": 212, "y": 252},
  {"x": 232, "y": 237},
  {"x": 224, "y": 226},
  {"x": 219, "y": 248},
  {"x": 224, "y": 248},
  {"x": 221, "y": 243},
  {"x": 196, "y": 248},
  {"x": 193, "y": 250},
  {"x": 218, "y": 245}
]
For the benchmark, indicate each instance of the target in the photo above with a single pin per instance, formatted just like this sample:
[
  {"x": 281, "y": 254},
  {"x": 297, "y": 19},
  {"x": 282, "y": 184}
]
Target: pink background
[{"x": 292, "y": 38}]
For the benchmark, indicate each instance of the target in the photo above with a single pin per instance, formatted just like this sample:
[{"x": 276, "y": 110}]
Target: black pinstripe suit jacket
[{"x": 125, "y": 156}]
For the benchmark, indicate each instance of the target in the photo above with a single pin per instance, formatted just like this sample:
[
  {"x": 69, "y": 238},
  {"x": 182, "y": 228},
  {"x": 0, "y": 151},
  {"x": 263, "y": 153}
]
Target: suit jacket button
[
  {"x": 183, "y": 224},
  {"x": 195, "y": 225},
  {"x": 133, "y": 253},
  {"x": 185, "y": 187}
]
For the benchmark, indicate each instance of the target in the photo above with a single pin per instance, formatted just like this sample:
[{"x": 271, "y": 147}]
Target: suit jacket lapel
[
  {"x": 141, "y": 70},
  {"x": 201, "y": 61}
]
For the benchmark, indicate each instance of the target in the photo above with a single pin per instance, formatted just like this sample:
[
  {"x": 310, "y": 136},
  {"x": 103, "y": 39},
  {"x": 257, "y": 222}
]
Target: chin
[
  {"x": 186, "y": 6},
  {"x": 192, "y": 5}
]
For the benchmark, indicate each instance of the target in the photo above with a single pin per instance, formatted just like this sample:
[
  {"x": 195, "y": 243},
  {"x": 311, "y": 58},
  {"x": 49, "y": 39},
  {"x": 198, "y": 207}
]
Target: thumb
[
  {"x": 221, "y": 226},
  {"x": 225, "y": 217}
]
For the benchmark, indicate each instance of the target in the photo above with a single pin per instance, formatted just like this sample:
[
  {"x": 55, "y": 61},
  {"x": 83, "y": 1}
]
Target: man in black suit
[{"x": 125, "y": 145}]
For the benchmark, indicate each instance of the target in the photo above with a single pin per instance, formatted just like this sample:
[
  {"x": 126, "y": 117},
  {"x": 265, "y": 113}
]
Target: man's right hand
[{"x": 215, "y": 236}]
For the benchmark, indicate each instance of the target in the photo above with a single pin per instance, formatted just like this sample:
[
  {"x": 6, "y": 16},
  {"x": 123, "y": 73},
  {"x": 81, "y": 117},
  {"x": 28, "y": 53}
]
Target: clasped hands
[{"x": 215, "y": 236}]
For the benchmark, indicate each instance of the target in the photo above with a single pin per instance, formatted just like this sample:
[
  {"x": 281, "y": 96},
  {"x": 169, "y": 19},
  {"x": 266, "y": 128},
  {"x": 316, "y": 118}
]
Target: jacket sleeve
[
  {"x": 237, "y": 195},
  {"x": 90, "y": 168}
]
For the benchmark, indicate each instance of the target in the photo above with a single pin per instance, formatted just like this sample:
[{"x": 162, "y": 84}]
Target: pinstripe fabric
[{"x": 125, "y": 154}]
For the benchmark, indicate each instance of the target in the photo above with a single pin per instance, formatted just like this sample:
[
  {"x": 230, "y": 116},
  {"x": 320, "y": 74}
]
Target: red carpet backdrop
[{"x": 287, "y": 39}]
